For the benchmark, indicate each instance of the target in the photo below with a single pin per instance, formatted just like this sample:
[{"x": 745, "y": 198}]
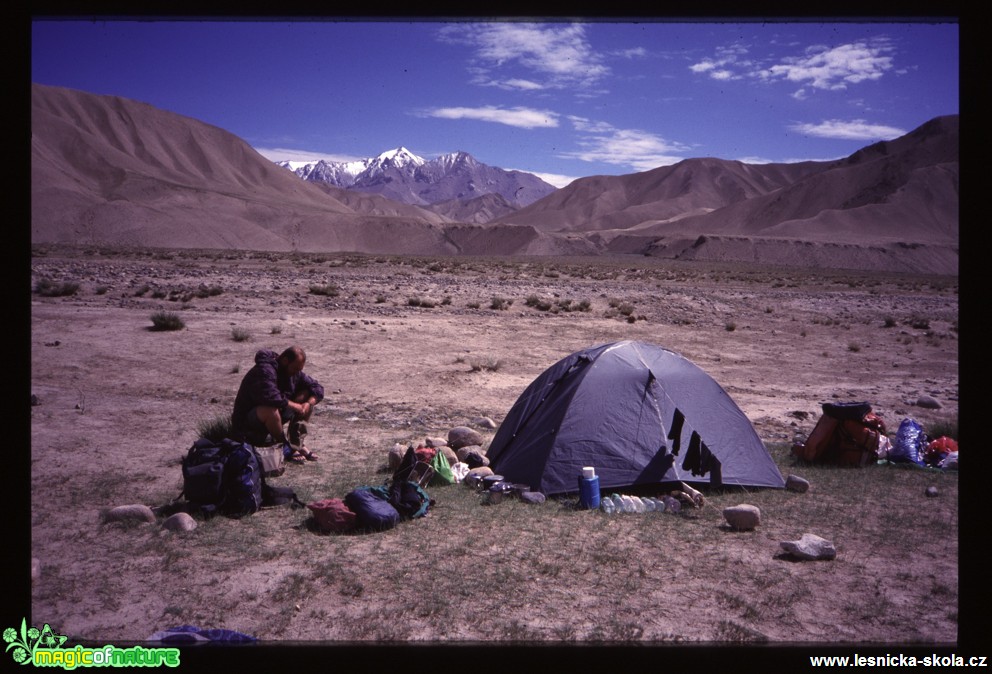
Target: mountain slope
[{"x": 111, "y": 170}]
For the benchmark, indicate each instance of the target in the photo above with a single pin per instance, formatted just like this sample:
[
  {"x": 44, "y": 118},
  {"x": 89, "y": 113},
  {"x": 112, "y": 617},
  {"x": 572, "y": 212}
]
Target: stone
[
  {"x": 480, "y": 472},
  {"x": 928, "y": 402},
  {"x": 435, "y": 442},
  {"x": 137, "y": 513},
  {"x": 797, "y": 484},
  {"x": 476, "y": 460},
  {"x": 396, "y": 455},
  {"x": 533, "y": 497},
  {"x": 810, "y": 547},
  {"x": 931, "y": 492},
  {"x": 180, "y": 522},
  {"x": 449, "y": 454},
  {"x": 743, "y": 517},
  {"x": 484, "y": 422},
  {"x": 463, "y": 452},
  {"x": 462, "y": 436}
]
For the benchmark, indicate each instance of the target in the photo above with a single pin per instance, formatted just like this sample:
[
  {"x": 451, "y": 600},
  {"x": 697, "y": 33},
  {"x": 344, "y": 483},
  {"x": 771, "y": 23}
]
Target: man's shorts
[{"x": 254, "y": 430}]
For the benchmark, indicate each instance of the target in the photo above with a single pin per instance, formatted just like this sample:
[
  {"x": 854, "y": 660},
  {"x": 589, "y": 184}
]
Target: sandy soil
[{"x": 117, "y": 403}]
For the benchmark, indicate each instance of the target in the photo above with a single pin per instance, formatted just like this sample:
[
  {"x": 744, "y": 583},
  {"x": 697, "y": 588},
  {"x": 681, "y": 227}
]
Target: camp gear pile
[{"x": 378, "y": 508}]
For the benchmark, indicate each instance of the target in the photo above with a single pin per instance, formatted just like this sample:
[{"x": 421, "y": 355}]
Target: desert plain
[{"x": 409, "y": 347}]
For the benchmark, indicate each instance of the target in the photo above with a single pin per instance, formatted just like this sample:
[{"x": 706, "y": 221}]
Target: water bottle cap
[{"x": 588, "y": 472}]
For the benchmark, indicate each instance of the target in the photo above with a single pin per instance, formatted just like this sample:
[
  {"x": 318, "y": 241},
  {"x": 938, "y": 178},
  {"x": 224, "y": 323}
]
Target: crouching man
[{"x": 273, "y": 393}]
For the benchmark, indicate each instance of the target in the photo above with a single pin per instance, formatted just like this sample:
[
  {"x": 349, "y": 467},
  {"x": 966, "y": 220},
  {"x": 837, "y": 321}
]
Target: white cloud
[
  {"x": 555, "y": 179},
  {"x": 559, "y": 56},
  {"x": 837, "y": 67},
  {"x": 306, "y": 156},
  {"x": 856, "y": 129},
  {"x": 526, "y": 85},
  {"x": 820, "y": 66},
  {"x": 524, "y": 118},
  {"x": 633, "y": 148}
]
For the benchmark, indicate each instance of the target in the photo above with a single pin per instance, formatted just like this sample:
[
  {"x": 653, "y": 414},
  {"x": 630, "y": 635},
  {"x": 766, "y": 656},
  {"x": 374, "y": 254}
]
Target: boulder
[
  {"x": 931, "y": 492},
  {"x": 136, "y": 513},
  {"x": 533, "y": 497},
  {"x": 462, "y": 436},
  {"x": 476, "y": 459},
  {"x": 179, "y": 522},
  {"x": 435, "y": 442},
  {"x": 810, "y": 547},
  {"x": 743, "y": 517},
  {"x": 484, "y": 422},
  {"x": 463, "y": 452},
  {"x": 797, "y": 484},
  {"x": 928, "y": 402},
  {"x": 474, "y": 477},
  {"x": 449, "y": 454},
  {"x": 396, "y": 455}
]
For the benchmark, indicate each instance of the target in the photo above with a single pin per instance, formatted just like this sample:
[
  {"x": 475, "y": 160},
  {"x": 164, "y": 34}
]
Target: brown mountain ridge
[{"x": 112, "y": 171}]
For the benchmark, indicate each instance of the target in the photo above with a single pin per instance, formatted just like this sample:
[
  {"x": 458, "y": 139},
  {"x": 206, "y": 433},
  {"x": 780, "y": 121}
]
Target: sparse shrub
[
  {"x": 729, "y": 326},
  {"x": 165, "y": 320},
  {"x": 889, "y": 322},
  {"x": 500, "y": 303},
  {"x": 48, "y": 288},
  {"x": 474, "y": 305},
  {"x": 215, "y": 429},
  {"x": 941, "y": 428},
  {"x": 380, "y": 299},
  {"x": 854, "y": 347},
  {"x": 328, "y": 290},
  {"x": 142, "y": 290},
  {"x": 920, "y": 323},
  {"x": 276, "y": 330},
  {"x": 208, "y": 291},
  {"x": 240, "y": 335},
  {"x": 424, "y": 302},
  {"x": 101, "y": 290},
  {"x": 485, "y": 364},
  {"x": 158, "y": 294}
]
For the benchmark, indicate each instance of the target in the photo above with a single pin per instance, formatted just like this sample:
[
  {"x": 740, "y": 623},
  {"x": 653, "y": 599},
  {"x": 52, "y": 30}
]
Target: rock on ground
[
  {"x": 743, "y": 517},
  {"x": 810, "y": 547}
]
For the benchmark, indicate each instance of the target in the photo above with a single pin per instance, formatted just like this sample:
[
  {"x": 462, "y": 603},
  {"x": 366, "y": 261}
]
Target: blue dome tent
[{"x": 639, "y": 414}]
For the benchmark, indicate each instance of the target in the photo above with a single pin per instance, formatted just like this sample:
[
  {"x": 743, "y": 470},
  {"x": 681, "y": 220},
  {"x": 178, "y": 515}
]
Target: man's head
[{"x": 292, "y": 360}]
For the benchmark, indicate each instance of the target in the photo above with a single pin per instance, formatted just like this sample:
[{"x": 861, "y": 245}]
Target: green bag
[{"x": 442, "y": 469}]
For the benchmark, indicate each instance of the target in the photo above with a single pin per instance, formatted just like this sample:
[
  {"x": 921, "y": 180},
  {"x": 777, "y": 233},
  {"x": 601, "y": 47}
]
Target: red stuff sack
[{"x": 332, "y": 515}]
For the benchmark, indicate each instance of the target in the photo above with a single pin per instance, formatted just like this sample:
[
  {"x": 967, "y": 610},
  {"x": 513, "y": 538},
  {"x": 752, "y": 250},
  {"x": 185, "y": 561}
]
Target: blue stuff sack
[
  {"x": 372, "y": 508},
  {"x": 910, "y": 443}
]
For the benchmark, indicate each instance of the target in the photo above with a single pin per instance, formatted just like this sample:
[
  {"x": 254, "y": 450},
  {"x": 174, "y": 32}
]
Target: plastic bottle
[
  {"x": 638, "y": 504},
  {"x": 648, "y": 504},
  {"x": 628, "y": 504},
  {"x": 607, "y": 506}
]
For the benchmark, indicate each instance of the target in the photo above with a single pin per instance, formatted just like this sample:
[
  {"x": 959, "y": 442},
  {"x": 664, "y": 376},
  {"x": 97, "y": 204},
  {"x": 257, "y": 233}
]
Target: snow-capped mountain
[{"x": 403, "y": 176}]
